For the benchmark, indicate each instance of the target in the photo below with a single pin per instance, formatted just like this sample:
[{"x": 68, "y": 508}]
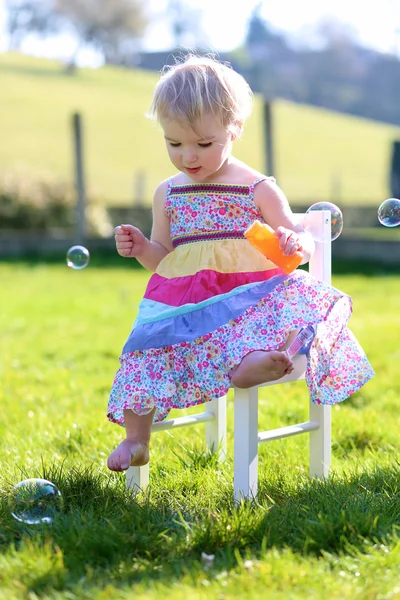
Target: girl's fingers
[
  {"x": 129, "y": 229},
  {"x": 124, "y": 229},
  {"x": 123, "y": 238}
]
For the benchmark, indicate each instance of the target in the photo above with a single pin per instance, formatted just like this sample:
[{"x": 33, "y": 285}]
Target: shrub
[{"x": 45, "y": 203}]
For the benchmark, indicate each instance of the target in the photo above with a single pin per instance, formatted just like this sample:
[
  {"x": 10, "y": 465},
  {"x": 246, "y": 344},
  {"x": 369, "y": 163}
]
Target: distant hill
[{"x": 320, "y": 155}]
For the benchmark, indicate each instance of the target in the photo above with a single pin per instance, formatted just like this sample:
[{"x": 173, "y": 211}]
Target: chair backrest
[{"x": 318, "y": 224}]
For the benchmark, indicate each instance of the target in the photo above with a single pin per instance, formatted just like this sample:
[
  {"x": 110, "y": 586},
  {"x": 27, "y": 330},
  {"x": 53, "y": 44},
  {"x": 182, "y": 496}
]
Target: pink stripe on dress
[{"x": 205, "y": 284}]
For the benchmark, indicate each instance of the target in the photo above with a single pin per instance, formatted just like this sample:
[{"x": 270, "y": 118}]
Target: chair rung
[
  {"x": 183, "y": 421},
  {"x": 282, "y": 432}
]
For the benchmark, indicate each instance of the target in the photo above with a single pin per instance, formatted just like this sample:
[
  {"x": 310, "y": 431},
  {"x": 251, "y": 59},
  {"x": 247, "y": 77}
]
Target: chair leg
[
  {"x": 245, "y": 443},
  {"x": 216, "y": 429},
  {"x": 320, "y": 441},
  {"x": 137, "y": 478}
]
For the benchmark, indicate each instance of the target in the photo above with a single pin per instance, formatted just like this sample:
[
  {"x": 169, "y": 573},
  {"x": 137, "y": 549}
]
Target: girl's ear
[{"x": 237, "y": 130}]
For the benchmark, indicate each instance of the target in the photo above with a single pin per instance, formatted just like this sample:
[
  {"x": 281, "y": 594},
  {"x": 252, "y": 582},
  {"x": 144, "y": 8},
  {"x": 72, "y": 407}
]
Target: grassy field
[
  {"x": 61, "y": 333},
  {"x": 317, "y": 151}
]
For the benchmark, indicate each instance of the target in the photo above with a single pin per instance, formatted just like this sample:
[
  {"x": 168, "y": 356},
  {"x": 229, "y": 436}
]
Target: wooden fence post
[
  {"x": 80, "y": 221},
  {"x": 268, "y": 137}
]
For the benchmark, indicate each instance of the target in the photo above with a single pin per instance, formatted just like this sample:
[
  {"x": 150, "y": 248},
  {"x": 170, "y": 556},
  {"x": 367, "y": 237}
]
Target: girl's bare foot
[
  {"x": 259, "y": 367},
  {"x": 128, "y": 453}
]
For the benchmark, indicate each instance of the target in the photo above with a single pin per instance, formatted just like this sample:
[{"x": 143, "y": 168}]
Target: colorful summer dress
[{"x": 214, "y": 299}]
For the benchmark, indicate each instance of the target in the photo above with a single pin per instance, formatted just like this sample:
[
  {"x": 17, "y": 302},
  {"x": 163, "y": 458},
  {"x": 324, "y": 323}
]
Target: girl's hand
[
  {"x": 129, "y": 240},
  {"x": 289, "y": 241}
]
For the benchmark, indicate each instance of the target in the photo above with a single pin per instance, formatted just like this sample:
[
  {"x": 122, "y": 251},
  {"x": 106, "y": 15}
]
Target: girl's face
[{"x": 199, "y": 153}]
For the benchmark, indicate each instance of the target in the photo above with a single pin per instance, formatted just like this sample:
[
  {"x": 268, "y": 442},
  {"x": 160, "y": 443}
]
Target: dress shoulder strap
[
  {"x": 263, "y": 178},
  {"x": 170, "y": 185}
]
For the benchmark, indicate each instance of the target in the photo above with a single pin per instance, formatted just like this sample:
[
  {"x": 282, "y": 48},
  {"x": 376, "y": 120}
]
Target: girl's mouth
[{"x": 193, "y": 171}]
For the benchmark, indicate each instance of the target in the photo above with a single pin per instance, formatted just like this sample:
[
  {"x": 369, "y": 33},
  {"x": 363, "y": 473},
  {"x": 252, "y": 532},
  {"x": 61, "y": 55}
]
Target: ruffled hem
[{"x": 191, "y": 373}]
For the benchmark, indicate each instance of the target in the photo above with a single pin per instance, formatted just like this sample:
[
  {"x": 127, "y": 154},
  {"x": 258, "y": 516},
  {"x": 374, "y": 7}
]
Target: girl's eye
[
  {"x": 174, "y": 145},
  {"x": 207, "y": 145}
]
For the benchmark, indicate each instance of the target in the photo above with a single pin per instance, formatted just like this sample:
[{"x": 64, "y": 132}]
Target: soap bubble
[
  {"x": 336, "y": 221},
  {"x": 389, "y": 212},
  {"x": 35, "y": 501},
  {"x": 78, "y": 257}
]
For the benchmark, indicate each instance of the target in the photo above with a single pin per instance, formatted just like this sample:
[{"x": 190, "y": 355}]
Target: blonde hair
[{"x": 198, "y": 86}]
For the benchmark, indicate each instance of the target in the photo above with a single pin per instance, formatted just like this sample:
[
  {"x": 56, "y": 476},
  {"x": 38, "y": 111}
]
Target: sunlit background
[
  {"x": 213, "y": 23},
  {"x": 328, "y": 73}
]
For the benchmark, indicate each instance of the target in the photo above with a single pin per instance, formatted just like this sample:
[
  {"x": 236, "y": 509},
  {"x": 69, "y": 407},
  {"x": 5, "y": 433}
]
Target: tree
[
  {"x": 265, "y": 48},
  {"x": 186, "y": 23},
  {"x": 24, "y": 17},
  {"x": 108, "y": 26},
  {"x": 258, "y": 31}
]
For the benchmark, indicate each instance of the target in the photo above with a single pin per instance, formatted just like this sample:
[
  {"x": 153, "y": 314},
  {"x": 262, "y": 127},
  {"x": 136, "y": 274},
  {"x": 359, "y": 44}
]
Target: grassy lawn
[
  {"x": 320, "y": 154},
  {"x": 61, "y": 333}
]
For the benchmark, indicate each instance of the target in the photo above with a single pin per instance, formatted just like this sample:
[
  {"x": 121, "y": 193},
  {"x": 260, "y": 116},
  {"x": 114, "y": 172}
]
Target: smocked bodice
[{"x": 209, "y": 208}]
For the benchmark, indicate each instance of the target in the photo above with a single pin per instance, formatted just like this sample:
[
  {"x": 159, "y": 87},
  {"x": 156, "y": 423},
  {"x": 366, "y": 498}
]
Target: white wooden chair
[{"x": 246, "y": 434}]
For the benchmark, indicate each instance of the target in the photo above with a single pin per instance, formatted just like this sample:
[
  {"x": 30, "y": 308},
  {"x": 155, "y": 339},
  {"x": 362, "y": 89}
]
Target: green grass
[
  {"x": 313, "y": 146},
  {"x": 61, "y": 333}
]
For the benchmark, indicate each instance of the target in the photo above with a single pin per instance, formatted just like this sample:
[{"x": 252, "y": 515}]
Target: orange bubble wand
[{"x": 262, "y": 237}]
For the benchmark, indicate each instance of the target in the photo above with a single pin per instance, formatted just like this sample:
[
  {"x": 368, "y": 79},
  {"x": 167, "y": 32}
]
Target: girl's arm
[
  {"x": 131, "y": 242},
  {"x": 276, "y": 211},
  {"x": 160, "y": 243}
]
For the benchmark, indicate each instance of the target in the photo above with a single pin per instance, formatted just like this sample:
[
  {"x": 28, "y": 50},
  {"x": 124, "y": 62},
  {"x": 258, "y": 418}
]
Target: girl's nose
[{"x": 189, "y": 158}]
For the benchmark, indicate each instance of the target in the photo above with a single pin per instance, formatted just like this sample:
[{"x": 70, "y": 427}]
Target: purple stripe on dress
[{"x": 189, "y": 326}]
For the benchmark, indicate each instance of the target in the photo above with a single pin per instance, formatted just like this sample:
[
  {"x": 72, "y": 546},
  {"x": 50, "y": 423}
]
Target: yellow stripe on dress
[{"x": 223, "y": 256}]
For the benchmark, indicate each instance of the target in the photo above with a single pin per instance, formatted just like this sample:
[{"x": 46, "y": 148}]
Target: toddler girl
[{"x": 216, "y": 312}]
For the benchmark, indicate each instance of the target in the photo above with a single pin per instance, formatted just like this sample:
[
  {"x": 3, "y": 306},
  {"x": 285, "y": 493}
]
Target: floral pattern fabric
[{"x": 192, "y": 372}]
